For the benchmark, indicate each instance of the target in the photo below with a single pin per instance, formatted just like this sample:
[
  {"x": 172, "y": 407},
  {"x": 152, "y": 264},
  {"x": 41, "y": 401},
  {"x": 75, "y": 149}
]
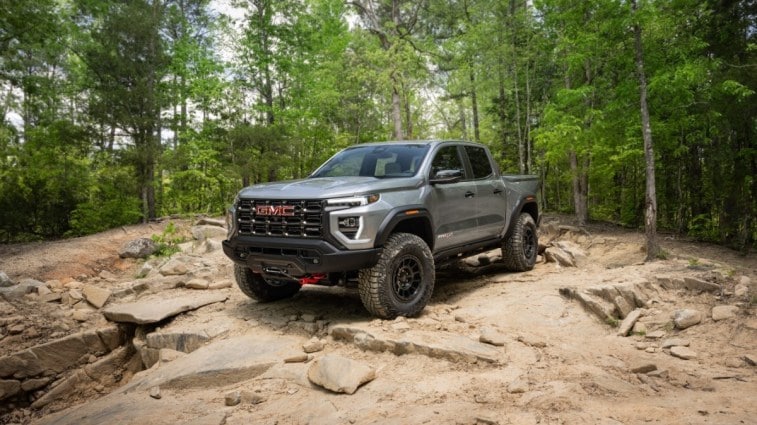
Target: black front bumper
[{"x": 296, "y": 257}]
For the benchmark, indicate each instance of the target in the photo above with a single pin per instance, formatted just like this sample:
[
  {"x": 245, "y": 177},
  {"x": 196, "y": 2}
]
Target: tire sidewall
[{"x": 415, "y": 252}]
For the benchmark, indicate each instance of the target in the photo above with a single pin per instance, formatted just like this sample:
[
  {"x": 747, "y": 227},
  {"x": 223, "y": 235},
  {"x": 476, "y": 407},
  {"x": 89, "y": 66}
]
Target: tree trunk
[
  {"x": 474, "y": 105},
  {"x": 396, "y": 112},
  {"x": 580, "y": 188},
  {"x": 650, "y": 198}
]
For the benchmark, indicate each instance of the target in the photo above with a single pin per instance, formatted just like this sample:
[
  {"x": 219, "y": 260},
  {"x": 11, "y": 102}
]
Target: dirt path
[{"x": 559, "y": 363}]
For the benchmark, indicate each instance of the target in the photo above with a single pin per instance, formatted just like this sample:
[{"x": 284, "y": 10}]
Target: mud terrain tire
[
  {"x": 402, "y": 281},
  {"x": 261, "y": 289},
  {"x": 520, "y": 249}
]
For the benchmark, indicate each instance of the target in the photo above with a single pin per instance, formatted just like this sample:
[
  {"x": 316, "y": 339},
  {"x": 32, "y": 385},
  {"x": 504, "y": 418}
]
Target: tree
[{"x": 127, "y": 62}]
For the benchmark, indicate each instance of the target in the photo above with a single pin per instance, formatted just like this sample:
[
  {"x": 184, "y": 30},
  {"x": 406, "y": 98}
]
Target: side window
[
  {"x": 479, "y": 161},
  {"x": 447, "y": 159}
]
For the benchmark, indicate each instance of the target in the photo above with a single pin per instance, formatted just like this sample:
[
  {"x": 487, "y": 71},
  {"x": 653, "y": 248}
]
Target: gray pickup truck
[{"x": 382, "y": 217}]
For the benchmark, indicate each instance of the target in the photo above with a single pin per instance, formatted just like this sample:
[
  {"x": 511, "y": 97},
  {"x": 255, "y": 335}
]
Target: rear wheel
[
  {"x": 255, "y": 286},
  {"x": 520, "y": 249},
  {"x": 402, "y": 281}
]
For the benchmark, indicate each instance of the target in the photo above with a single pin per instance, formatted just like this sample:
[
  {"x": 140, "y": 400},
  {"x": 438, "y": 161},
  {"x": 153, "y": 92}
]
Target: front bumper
[{"x": 296, "y": 257}]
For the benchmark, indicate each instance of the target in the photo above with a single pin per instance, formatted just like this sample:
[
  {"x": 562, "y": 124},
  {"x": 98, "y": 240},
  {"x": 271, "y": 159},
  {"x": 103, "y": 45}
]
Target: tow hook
[{"x": 312, "y": 279}]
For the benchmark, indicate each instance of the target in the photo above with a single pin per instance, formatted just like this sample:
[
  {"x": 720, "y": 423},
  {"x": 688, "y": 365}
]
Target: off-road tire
[
  {"x": 402, "y": 281},
  {"x": 519, "y": 251},
  {"x": 258, "y": 288}
]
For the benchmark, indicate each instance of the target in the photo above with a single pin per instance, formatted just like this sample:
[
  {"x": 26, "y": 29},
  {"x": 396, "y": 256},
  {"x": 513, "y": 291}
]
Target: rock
[
  {"x": 221, "y": 284},
  {"x": 197, "y": 283},
  {"x": 751, "y": 359},
  {"x": 106, "y": 275},
  {"x": 9, "y": 388},
  {"x": 735, "y": 362},
  {"x": 531, "y": 341},
  {"x": 30, "y": 385},
  {"x": 250, "y": 397},
  {"x": 210, "y": 222},
  {"x": 572, "y": 249},
  {"x": 5, "y": 281},
  {"x": 138, "y": 248},
  {"x": 310, "y": 318},
  {"x": 675, "y": 342},
  {"x": 655, "y": 334},
  {"x": 43, "y": 290},
  {"x": 96, "y": 296},
  {"x": 643, "y": 367},
  {"x": 204, "y": 232},
  {"x": 212, "y": 245},
  {"x": 490, "y": 336},
  {"x": 166, "y": 355},
  {"x": 518, "y": 386},
  {"x": 233, "y": 398},
  {"x": 741, "y": 291},
  {"x": 340, "y": 374},
  {"x": 145, "y": 270},
  {"x": 51, "y": 297},
  {"x": 686, "y": 318},
  {"x": 400, "y": 327},
  {"x": 174, "y": 267},
  {"x": 693, "y": 284},
  {"x": 19, "y": 290},
  {"x": 81, "y": 315},
  {"x": 16, "y": 329},
  {"x": 155, "y": 393},
  {"x": 312, "y": 346},
  {"x": 435, "y": 344},
  {"x": 628, "y": 322},
  {"x": 624, "y": 309},
  {"x": 299, "y": 358},
  {"x": 185, "y": 341},
  {"x": 156, "y": 309},
  {"x": 683, "y": 353},
  {"x": 556, "y": 255},
  {"x": 639, "y": 329},
  {"x": 226, "y": 361},
  {"x": 723, "y": 312}
]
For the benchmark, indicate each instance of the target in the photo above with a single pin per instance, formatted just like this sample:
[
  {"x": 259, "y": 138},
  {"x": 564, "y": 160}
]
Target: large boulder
[
  {"x": 138, "y": 248},
  {"x": 204, "y": 232},
  {"x": 686, "y": 318}
]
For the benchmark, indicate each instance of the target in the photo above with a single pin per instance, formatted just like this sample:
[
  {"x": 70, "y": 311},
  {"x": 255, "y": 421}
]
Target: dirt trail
[{"x": 559, "y": 364}]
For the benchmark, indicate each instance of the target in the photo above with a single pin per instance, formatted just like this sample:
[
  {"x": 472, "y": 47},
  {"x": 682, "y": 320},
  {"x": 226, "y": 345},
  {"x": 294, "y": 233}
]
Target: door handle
[{"x": 469, "y": 194}]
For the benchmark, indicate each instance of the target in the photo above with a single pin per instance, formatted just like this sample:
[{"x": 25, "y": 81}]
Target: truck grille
[{"x": 303, "y": 218}]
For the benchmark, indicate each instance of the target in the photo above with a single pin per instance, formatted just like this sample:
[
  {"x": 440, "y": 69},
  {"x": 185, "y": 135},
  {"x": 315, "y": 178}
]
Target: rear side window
[{"x": 479, "y": 161}]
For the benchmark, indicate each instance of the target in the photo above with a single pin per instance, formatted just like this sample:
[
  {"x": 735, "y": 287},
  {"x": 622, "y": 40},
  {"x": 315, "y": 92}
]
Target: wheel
[
  {"x": 402, "y": 281},
  {"x": 520, "y": 249},
  {"x": 261, "y": 289}
]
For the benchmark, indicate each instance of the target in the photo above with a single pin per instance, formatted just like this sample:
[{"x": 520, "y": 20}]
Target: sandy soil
[{"x": 560, "y": 365}]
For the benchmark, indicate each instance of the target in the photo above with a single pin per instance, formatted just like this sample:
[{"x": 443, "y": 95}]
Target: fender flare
[
  {"x": 398, "y": 215},
  {"x": 526, "y": 202}
]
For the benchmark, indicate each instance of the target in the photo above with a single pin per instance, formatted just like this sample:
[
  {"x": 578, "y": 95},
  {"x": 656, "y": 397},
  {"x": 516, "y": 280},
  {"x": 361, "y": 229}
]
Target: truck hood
[{"x": 327, "y": 187}]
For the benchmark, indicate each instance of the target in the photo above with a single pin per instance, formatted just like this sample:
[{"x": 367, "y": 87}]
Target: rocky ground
[{"x": 591, "y": 336}]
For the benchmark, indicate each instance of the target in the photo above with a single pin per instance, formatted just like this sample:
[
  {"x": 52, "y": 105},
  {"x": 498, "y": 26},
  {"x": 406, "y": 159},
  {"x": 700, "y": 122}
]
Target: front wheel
[
  {"x": 402, "y": 281},
  {"x": 520, "y": 249},
  {"x": 261, "y": 289}
]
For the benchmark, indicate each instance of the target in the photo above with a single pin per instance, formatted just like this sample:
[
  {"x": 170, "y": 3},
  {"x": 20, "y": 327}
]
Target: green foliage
[{"x": 168, "y": 241}]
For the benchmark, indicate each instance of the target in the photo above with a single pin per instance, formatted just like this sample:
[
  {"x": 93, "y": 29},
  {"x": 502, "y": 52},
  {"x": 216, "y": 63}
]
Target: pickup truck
[{"x": 382, "y": 217}]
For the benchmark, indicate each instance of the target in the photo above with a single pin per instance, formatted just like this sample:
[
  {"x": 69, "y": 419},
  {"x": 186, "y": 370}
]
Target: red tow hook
[{"x": 312, "y": 279}]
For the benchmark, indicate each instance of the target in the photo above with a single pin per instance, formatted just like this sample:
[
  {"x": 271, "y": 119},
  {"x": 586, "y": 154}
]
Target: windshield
[{"x": 382, "y": 161}]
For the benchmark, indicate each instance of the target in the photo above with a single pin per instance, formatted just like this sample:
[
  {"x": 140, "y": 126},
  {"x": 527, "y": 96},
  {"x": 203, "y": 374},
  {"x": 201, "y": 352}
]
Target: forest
[{"x": 114, "y": 112}]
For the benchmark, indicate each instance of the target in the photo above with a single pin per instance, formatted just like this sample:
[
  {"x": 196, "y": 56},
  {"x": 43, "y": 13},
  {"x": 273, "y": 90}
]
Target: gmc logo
[{"x": 276, "y": 210}]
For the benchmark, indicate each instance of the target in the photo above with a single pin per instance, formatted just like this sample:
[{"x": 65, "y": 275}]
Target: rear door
[{"x": 491, "y": 200}]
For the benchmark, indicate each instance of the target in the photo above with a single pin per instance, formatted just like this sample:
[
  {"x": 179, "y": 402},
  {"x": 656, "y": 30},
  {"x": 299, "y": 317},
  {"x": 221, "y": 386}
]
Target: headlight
[{"x": 356, "y": 201}]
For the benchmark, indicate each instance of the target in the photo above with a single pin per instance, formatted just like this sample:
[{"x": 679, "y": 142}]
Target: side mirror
[{"x": 446, "y": 177}]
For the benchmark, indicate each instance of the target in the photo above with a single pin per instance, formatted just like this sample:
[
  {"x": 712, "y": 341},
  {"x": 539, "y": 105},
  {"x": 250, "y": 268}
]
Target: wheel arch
[{"x": 416, "y": 221}]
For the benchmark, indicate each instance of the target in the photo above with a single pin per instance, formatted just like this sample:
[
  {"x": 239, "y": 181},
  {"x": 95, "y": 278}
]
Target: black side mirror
[{"x": 446, "y": 177}]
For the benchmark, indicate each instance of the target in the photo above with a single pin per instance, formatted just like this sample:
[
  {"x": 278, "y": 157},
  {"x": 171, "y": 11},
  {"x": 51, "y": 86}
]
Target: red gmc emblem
[{"x": 277, "y": 210}]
